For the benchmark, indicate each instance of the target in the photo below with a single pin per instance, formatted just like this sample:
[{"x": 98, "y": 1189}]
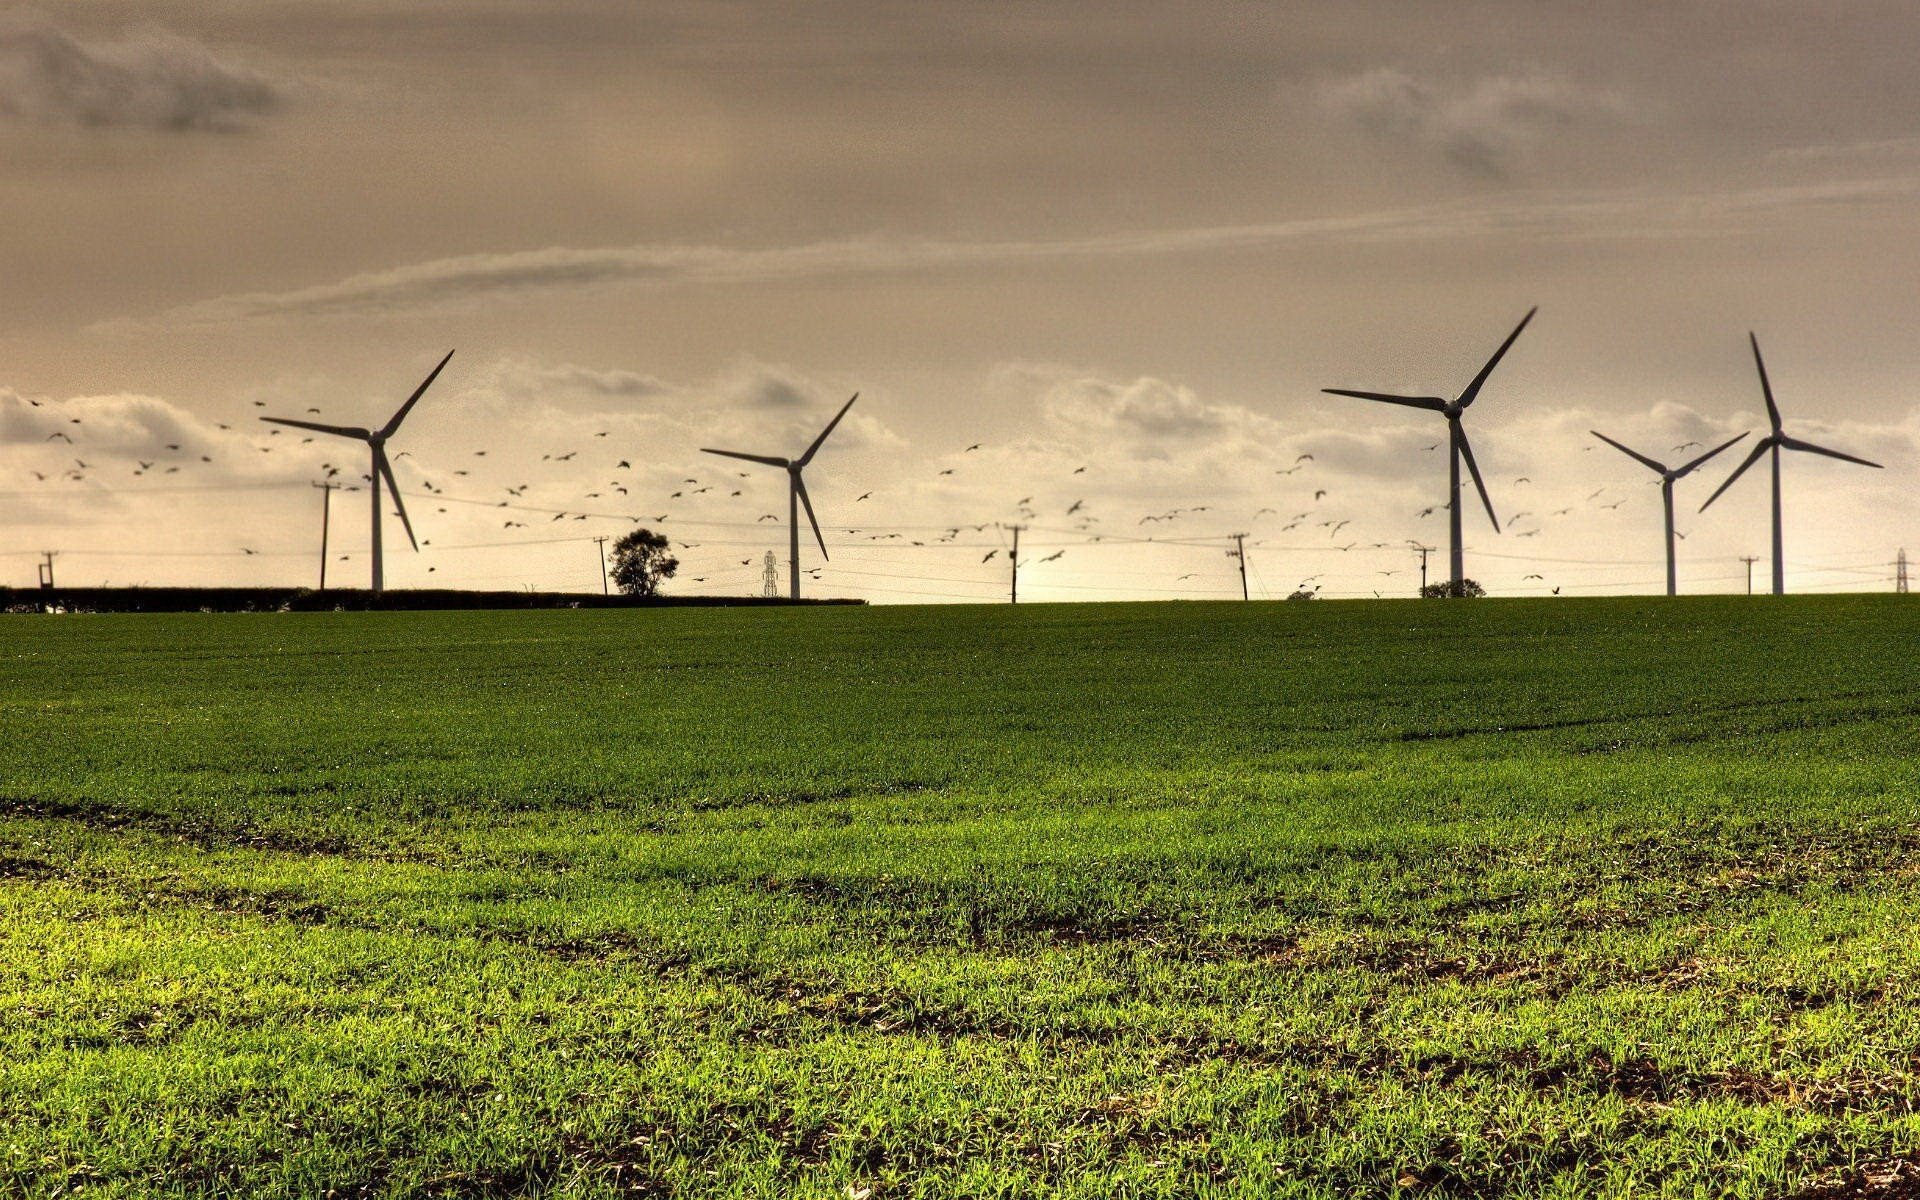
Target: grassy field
[{"x": 1519, "y": 898}]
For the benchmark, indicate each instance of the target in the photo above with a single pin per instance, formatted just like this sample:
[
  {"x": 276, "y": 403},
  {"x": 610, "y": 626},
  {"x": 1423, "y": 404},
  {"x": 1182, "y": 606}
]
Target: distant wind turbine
[
  {"x": 796, "y": 492},
  {"x": 1667, "y": 477},
  {"x": 376, "y": 440},
  {"x": 1457, "y": 441},
  {"x": 1776, "y": 441}
]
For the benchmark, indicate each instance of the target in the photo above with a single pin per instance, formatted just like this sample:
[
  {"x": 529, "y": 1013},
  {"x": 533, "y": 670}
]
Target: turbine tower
[
  {"x": 1457, "y": 445},
  {"x": 1776, "y": 441},
  {"x": 796, "y": 491},
  {"x": 376, "y": 440},
  {"x": 1667, "y": 477}
]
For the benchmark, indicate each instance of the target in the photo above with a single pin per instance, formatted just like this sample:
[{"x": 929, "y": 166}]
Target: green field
[{"x": 1563, "y": 898}]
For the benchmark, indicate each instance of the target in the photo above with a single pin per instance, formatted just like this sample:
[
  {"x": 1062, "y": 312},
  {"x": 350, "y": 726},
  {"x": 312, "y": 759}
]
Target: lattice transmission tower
[{"x": 770, "y": 577}]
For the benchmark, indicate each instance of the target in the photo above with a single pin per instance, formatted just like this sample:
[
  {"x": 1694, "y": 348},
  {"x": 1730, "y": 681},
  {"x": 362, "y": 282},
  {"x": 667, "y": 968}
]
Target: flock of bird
[{"x": 1076, "y": 517}]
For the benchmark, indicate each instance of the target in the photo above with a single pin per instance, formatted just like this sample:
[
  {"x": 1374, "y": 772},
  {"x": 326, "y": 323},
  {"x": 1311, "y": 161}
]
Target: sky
[{"x": 1087, "y": 266}]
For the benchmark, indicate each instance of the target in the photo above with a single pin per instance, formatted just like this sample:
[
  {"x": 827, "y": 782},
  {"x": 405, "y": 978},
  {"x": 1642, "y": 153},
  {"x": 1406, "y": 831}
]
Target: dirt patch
[
  {"x": 26, "y": 870},
  {"x": 202, "y": 835},
  {"x": 1892, "y": 1179}
]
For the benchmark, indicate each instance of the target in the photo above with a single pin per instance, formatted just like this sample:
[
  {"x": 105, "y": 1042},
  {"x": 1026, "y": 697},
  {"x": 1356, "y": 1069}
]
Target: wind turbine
[
  {"x": 1776, "y": 442},
  {"x": 1457, "y": 445},
  {"x": 1667, "y": 477},
  {"x": 796, "y": 491},
  {"x": 376, "y": 440}
]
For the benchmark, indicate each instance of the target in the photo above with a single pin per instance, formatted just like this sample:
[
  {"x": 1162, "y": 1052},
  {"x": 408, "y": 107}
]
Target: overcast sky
[{"x": 1120, "y": 247}]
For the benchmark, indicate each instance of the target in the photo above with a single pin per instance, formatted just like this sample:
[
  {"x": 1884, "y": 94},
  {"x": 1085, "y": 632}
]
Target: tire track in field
[{"x": 199, "y": 833}]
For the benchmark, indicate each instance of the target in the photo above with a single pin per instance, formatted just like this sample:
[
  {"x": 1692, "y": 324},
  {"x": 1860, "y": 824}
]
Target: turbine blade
[
  {"x": 1473, "y": 389},
  {"x": 1473, "y": 468},
  {"x": 1810, "y": 448},
  {"x": 1759, "y": 448},
  {"x": 1430, "y": 403},
  {"x": 800, "y": 485},
  {"x": 352, "y": 431},
  {"x": 1633, "y": 454},
  {"x": 393, "y": 426},
  {"x": 1688, "y": 469},
  {"x": 1766, "y": 387},
  {"x": 806, "y": 458},
  {"x": 759, "y": 458},
  {"x": 385, "y": 468}
]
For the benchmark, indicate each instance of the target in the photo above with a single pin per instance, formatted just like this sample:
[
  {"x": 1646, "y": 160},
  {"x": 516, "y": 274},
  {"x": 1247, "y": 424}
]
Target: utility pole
[
  {"x": 46, "y": 571},
  {"x": 326, "y": 521},
  {"x": 1900, "y": 572},
  {"x": 1424, "y": 551},
  {"x": 1239, "y": 551},
  {"x": 601, "y": 542},
  {"x": 770, "y": 578},
  {"x": 1013, "y": 563},
  {"x": 1749, "y": 559}
]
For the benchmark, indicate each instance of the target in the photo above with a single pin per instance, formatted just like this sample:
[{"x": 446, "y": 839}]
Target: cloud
[
  {"x": 1151, "y": 407},
  {"x": 1483, "y": 128},
  {"x": 760, "y": 385},
  {"x": 469, "y": 280},
  {"x": 535, "y": 379},
  {"x": 151, "y": 80}
]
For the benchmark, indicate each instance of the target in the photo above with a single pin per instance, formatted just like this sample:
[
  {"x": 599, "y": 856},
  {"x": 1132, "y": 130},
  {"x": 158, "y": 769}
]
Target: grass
[{"x": 1566, "y": 898}]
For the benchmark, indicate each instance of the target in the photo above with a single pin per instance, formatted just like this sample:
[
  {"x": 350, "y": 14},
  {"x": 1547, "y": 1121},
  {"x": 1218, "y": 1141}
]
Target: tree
[
  {"x": 1445, "y": 590},
  {"x": 1304, "y": 595},
  {"x": 641, "y": 562}
]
